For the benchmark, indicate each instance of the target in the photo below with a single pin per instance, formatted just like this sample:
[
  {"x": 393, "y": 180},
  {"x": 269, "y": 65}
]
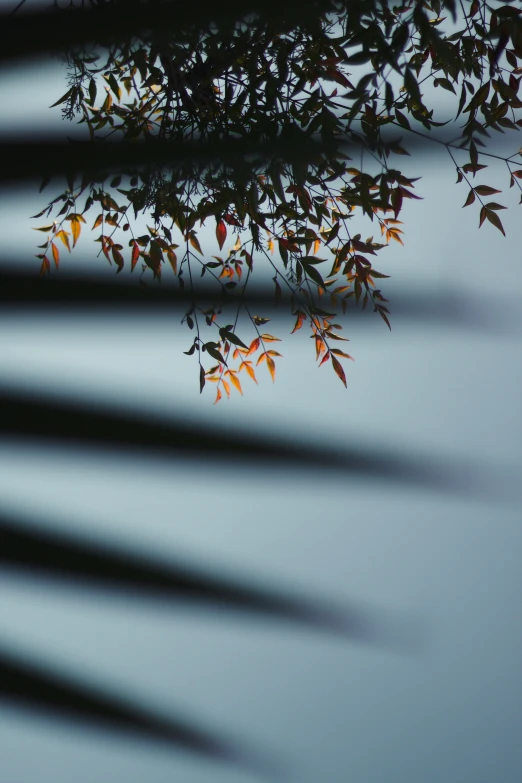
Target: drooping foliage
[{"x": 312, "y": 112}]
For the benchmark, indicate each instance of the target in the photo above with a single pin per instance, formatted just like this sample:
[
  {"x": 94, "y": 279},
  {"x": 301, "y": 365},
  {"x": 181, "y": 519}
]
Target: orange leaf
[
  {"x": 299, "y": 322},
  {"x": 254, "y": 345},
  {"x": 172, "y": 259},
  {"x": 226, "y": 387},
  {"x": 235, "y": 380},
  {"x": 269, "y": 338},
  {"x": 194, "y": 242},
  {"x": 64, "y": 236},
  {"x": 221, "y": 233},
  {"x": 271, "y": 366},
  {"x": 319, "y": 347},
  {"x": 218, "y": 396},
  {"x": 135, "y": 255},
  {"x": 339, "y": 370},
  {"x": 75, "y": 228},
  {"x": 46, "y": 266},
  {"x": 250, "y": 370},
  {"x": 97, "y": 222},
  {"x": 56, "y": 254},
  {"x": 262, "y": 358}
]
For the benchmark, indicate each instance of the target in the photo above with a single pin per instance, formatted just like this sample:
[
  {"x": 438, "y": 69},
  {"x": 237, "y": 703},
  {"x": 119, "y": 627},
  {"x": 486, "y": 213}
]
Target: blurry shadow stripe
[
  {"x": 43, "y": 690},
  {"x": 40, "y": 32},
  {"x": 58, "y": 420},
  {"x": 27, "y": 292},
  {"x": 42, "y": 554}
]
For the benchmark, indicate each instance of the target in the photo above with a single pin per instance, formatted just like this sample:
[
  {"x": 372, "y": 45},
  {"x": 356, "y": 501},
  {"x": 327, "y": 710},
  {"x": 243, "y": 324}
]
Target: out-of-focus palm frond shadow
[
  {"x": 42, "y": 690},
  {"x": 38, "y": 32},
  {"x": 48, "y": 157},
  {"x": 40, "y": 417},
  {"x": 24, "y": 291}
]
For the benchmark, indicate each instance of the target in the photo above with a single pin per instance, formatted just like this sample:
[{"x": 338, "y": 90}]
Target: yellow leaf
[
  {"x": 226, "y": 387},
  {"x": 64, "y": 236},
  {"x": 269, "y": 338},
  {"x": 75, "y": 228}
]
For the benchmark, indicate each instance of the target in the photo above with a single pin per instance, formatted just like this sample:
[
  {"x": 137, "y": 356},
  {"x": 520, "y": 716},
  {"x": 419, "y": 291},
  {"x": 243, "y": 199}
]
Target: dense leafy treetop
[{"x": 328, "y": 101}]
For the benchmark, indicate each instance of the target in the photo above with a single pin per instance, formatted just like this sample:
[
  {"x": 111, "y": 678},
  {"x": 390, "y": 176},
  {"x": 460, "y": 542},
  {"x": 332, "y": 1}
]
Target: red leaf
[
  {"x": 221, "y": 233},
  {"x": 135, "y": 255}
]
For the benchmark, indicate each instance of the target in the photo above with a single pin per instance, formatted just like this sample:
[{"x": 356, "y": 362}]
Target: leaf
[
  {"x": 336, "y": 364},
  {"x": 64, "y": 236},
  {"x": 97, "y": 222},
  {"x": 201, "y": 378},
  {"x": 299, "y": 322},
  {"x": 269, "y": 338},
  {"x": 325, "y": 358},
  {"x": 213, "y": 350},
  {"x": 221, "y": 233},
  {"x": 402, "y": 119},
  {"x": 46, "y": 266},
  {"x": 494, "y": 218},
  {"x": 470, "y": 199},
  {"x": 46, "y": 229},
  {"x": 195, "y": 242},
  {"x": 135, "y": 255},
  {"x": 254, "y": 345},
  {"x": 320, "y": 347},
  {"x": 225, "y": 334},
  {"x": 271, "y": 367},
  {"x": 218, "y": 396},
  {"x": 172, "y": 260},
  {"x": 235, "y": 380},
  {"x": 250, "y": 370},
  {"x": 75, "y": 229},
  {"x": 56, "y": 254},
  {"x": 337, "y": 352},
  {"x": 118, "y": 258},
  {"x": 62, "y": 99},
  {"x": 485, "y": 190}
]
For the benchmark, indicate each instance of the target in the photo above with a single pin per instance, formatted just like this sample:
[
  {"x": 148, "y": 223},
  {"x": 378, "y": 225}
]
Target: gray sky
[{"x": 446, "y": 566}]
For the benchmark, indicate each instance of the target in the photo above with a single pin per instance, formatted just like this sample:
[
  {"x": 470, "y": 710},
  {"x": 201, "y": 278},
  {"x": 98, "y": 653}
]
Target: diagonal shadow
[
  {"x": 58, "y": 420},
  {"x": 32, "y": 687},
  {"x": 42, "y": 554}
]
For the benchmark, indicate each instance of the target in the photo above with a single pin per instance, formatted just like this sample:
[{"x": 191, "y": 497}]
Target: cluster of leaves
[{"x": 355, "y": 78}]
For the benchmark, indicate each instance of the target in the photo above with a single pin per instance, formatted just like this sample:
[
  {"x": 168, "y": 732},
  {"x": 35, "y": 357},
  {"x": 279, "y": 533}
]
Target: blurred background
[{"x": 415, "y": 524}]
